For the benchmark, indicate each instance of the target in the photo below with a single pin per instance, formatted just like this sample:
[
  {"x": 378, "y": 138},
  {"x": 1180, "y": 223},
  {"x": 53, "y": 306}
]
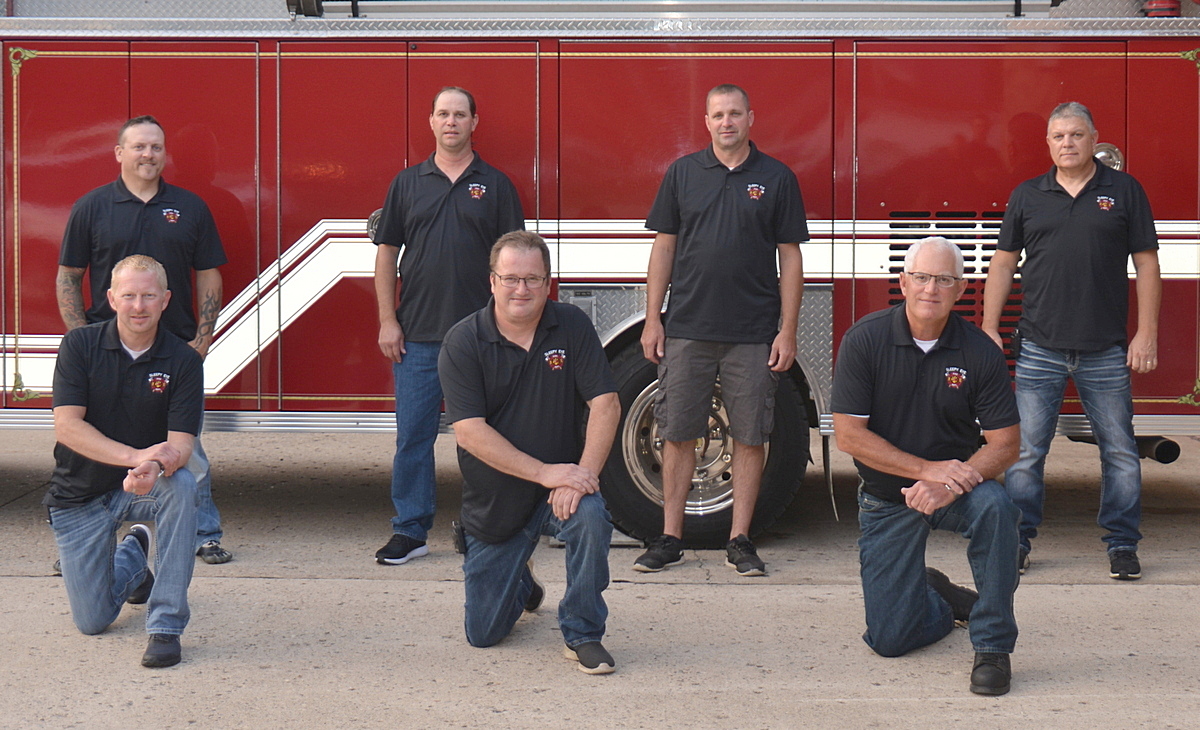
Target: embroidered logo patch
[
  {"x": 158, "y": 382},
  {"x": 476, "y": 190},
  {"x": 556, "y": 358},
  {"x": 756, "y": 191},
  {"x": 1105, "y": 202},
  {"x": 955, "y": 377},
  {"x": 171, "y": 215}
]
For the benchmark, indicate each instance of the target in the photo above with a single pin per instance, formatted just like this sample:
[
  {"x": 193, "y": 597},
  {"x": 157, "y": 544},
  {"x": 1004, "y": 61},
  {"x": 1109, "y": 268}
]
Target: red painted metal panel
[
  {"x": 1163, "y": 152},
  {"x": 63, "y": 105},
  {"x": 204, "y": 95},
  {"x": 639, "y": 106},
  {"x": 342, "y": 131},
  {"x": 954, "y": 126}
]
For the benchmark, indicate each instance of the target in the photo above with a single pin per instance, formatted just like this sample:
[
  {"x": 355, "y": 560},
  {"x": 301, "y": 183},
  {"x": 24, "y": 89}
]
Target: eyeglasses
[
  {"x": 944, "y": 281},
  {"x": 510, "y": 282}
]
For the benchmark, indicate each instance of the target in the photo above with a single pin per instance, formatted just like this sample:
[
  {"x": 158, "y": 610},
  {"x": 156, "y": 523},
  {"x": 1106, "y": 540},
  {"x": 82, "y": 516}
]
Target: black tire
[{"x": 632, "y": 481}]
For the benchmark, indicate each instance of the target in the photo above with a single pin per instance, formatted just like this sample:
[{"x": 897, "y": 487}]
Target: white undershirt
[
  {"x": 925, "y": 345},
  {"x": 135, "y": 354}
]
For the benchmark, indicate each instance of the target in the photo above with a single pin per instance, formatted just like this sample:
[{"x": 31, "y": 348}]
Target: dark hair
[
  {"x": 727, "y": 89},
  {"x": 459, "y": 89},
  {"x": 144, "y": 119},
  {"x": 522, "y": 241}
]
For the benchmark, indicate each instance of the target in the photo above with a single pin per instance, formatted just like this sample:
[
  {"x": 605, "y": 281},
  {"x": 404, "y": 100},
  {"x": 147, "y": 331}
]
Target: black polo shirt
[
  {"x": 729, "y": 223},
  {"x": 175, "y": 227},
  {"x": 447, "y": 231},
  {"x": 134, "y": 402},
  {"x": 1075, "y": 277},
  {"x": 534, "y": 399},
  {"x": 929, "y": 405}
]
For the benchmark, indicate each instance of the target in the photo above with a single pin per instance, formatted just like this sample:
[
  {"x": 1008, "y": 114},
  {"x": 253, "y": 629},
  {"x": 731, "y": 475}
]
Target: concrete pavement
[{"x": 303, "y": 629}]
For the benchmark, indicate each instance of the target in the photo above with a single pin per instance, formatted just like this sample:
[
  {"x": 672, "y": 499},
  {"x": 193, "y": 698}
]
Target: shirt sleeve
[
  {"x": 187, "y": 395},
  {"x": 1142, "y": 236},
  {"x": 593, "y": 375},
  {"x": 664, "y": 214},
  {"x": 209, "y": 252},
  {"x": 461, "y": 375},
  {"x": 791, "y": 222},
  {"x": 511, "y": 216},
  {"x": 995, "y": 403},
  {"x": 853, "y": 376},
  {"x": 76, "y": 250},
  {"x": 391, "y": 220},
  {"x": 1012, "y": 232},
  {"x": 71, "y": 371}
]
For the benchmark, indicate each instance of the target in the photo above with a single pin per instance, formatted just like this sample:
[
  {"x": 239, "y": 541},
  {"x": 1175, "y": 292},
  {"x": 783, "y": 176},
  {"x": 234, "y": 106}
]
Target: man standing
[
  {"x": 140, "y": 213},
  {"x": 723, "y": 215},
  {"x": 128, "y": 397},
  {"x": 914, "y": 385},
  {"x": 1078, "y": 225},
  {"x": 517, "y": 374},
  {"x": 446, "y": 213}
]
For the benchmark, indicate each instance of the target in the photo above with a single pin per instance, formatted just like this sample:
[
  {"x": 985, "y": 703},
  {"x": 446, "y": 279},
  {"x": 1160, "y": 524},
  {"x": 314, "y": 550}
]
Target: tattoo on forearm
[
  {"x": 209, "y": 309},
  {"x": 69, "y": 289}
]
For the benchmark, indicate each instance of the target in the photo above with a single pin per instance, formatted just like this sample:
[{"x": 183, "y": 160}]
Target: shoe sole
[
  {"x": 992, "y": 691},
  {"x": 1124, "y": 576},
  {"x": 569, "y": 653},
  {"x": 161, "y": 662},
  {"x": 751, "y": 572},
  {"x": 415, "y": 553},
  {"x": 647, "y": 569}
]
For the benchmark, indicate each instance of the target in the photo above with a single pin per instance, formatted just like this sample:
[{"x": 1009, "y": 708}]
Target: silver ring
[{"x": 949, "y": 488}]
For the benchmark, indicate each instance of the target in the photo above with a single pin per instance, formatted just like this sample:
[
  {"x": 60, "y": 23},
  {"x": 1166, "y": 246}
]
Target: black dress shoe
[
  {"x": 162, "y": 651},
  {"x": 991, "y": 674}
]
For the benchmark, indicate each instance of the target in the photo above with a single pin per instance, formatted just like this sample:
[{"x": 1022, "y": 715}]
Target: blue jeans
[
  {"x": 1102, "y": 379},
  {"x": 497, "y": 580},
  {"x": 418, "y": 412},
  {"x": 208, "y": 520},
  {"x": 100, "y": 573},
  {"x": 903, "y": 612}
]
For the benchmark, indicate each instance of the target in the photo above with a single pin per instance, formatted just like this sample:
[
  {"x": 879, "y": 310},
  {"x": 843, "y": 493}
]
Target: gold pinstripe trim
[{"x": 806, "y": 54}]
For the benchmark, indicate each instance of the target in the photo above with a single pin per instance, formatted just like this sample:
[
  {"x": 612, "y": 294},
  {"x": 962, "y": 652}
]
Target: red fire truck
[{"x": 900, "y": 119}]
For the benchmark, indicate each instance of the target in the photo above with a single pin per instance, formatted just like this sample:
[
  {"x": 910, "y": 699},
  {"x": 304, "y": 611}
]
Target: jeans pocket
[{"x": 869, "y": 503}]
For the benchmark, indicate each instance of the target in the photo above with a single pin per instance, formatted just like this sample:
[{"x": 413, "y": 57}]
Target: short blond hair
[{"x": 140, "y": 262}]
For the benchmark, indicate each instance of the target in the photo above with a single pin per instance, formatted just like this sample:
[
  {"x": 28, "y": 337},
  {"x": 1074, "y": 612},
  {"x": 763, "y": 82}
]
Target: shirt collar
[
  {"x": 429, "y": 167},
  {"x": 708, "y": 158},
  {"x": 902, "y": 335},
  {"x": 110, "y": 339},
  {"x": 1102, "y": 178},
  {"x": 165, "y": 194},
  {"x": 489, "y": 332}
]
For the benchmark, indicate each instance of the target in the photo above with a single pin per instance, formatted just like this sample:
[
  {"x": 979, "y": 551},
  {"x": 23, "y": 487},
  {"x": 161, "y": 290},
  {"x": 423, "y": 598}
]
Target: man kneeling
[
  {"x": 128, "y": 397},
  {"x": 515, "y": 376},
  {"x": 913, "y": 386}
]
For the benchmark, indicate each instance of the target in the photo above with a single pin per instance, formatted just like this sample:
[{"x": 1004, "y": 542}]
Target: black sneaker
[
  {"x": 742, "y": 556},
  {"x": 212, "y": 553},
  {"x": 56, "y": 569},
  {"x": 593, "y": 658},
  {"x": 401, "y": 549},
  {"x": 991, "y": 674},
  {"x": 1124, "y": 565},
  {"x": 661, "y": 552},
  {"x": 162, "y": 651},
  {"x": 538, "y": 592},
  {"x": 1022, "y": 560},
  {"x": 961, "y": 599},
  {"x": 141, "y": 594}
]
